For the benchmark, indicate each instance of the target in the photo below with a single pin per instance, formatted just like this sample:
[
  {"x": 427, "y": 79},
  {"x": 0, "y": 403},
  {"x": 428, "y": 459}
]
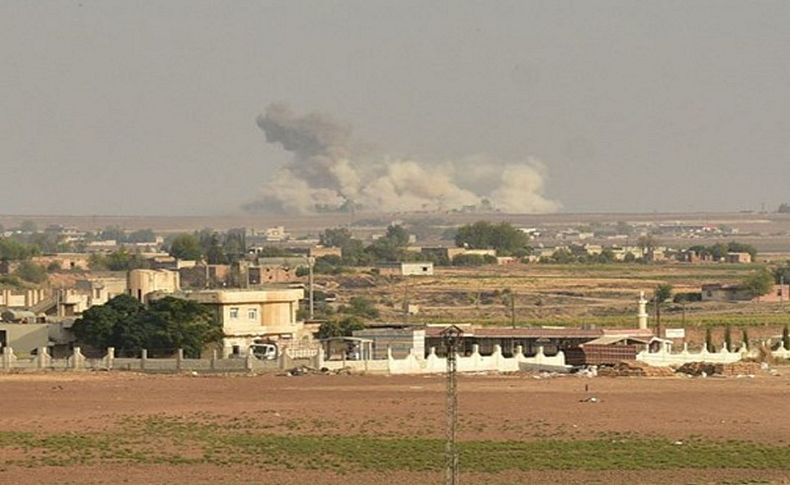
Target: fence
[
  {"x": 77, "y": 361},
  {"x": 433, "y": 364}
]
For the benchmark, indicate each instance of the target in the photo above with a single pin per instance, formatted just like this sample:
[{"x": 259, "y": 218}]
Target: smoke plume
[{"x": 324, "y": 174}]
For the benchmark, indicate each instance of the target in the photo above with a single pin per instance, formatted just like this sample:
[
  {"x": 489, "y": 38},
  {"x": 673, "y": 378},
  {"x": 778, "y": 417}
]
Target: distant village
[{"x": 258, "y": 283}]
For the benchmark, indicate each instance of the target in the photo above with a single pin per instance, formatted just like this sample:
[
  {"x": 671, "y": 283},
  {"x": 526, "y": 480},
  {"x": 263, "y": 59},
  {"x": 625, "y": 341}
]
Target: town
[
  {"x": 372, "y": 292},
  {"x": 358, "y": 241}
]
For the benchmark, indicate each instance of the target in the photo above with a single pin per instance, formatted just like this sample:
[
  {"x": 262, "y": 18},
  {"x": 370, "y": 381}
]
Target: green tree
[
  {"x": 338, "y": 237},
  {"x": 759, "y": 282},
  {"x": 13, "y": 250},
  {"x": 745, "y": 339},
  {"x": 782, "y": 273},
  {"x": 662, "y": 293},
  {"x": 343, "y": 327},
  {"x": 111, "y": 324},
  {"x": 112, "y": 233},
  {"x": 473, "y": 260},
  {"x": 503, "y": 237},
  {"x": 141, "y": 236},
  {"x": 168, "y": 324},
  {"x": 784, "y": 208},
  {"x": 31, "y": 272},
  {"x": 728, "y": 338},
  {"x": 186, "y": 246},
  {"x": 786, "y": 337}
]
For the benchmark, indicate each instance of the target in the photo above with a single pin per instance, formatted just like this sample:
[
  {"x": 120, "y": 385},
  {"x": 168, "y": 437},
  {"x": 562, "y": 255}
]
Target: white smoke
[{"x": 324, "y": 175}]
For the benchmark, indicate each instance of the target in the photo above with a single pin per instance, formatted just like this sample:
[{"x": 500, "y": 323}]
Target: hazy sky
[{"x": 149, "y": 107}]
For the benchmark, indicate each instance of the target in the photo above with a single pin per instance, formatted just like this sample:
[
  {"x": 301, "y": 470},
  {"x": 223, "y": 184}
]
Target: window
[
  {"x": 252, "y": 314},
  {"x": 234, "y": 313}
]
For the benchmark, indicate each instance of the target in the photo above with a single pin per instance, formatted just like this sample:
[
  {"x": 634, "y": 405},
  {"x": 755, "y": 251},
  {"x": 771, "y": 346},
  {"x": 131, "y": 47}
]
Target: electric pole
[
  {"x": 451, "y": 337},
  {"x": 512, "y": 308},
  {"x": 310, "y": 262}
]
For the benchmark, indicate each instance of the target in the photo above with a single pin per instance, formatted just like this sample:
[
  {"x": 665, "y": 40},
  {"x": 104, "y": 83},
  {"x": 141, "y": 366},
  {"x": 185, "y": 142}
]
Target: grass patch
[{"x": 184, "y": 442}]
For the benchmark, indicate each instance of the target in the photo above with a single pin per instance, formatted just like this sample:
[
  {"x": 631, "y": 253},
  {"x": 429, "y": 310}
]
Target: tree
[
  {"x": 112, "y": 233},
  {"x": 745, "y": 339},
  {"x": 473, "y": 260},
  {"x": 728, "y": 338},
  {"x": 13, "y": 250},
  {"x": 343, "y": 327},
  {"x": 186, "y": 246},
  {"x": 647, "y": 242},
  {"x": 168, "y": 324},
  {"x": 31, "y": 272},
  {"x": 782, "y": 273},
  {"x": 786, "y": 337},
  {"x": 709, "y": 340},
  {"x": 759, "y": 282},
  {"x": 662, "y": 293},
  {"x": 28, "y": 226},
  {"x": 503, "y": 237},
  {"x": 182, "y": 324},
  {"x": 398, "y": 235},
  {"x": 141, "y": 236},
  {"x": 337, "y": 238},
  {"x": 563, "y": 256},
  {"x": 784, "y": 208}
]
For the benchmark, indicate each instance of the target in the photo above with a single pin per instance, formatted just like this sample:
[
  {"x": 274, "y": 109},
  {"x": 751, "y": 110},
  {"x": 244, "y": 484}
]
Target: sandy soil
[{"x": 492, "y": 407}]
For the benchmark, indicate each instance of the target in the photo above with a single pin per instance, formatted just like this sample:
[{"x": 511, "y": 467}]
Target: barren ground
[{"x": 234, "y": 429}]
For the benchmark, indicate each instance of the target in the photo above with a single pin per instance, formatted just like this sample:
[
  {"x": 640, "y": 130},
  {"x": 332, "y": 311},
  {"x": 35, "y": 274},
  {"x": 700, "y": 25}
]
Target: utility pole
[
  {"x": 512, "y": 308},
  {"x": 451, "y": 337},
  {"x": 310, "y": 263}
]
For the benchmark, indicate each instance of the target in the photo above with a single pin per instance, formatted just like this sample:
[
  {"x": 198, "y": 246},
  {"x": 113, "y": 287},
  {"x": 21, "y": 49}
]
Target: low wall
[
  {"x": 76, "y": 361},
  {"x": 666, "y": 358},
  {"x": 433, "y": 364}
]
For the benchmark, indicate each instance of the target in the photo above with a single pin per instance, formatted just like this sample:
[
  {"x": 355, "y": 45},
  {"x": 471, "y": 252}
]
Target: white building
[{"x": 254, "y": 316}]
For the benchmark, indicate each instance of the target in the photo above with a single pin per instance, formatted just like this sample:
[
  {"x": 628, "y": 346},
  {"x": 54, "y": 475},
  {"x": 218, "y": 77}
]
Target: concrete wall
[
  {"x": 666, "y": 358},
  {"x": 432, "y": 364},
  {"x": 25, "y": 338}
]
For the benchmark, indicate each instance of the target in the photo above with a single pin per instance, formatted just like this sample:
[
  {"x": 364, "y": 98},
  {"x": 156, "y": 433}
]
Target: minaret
[{"x": 642, "y": 310}]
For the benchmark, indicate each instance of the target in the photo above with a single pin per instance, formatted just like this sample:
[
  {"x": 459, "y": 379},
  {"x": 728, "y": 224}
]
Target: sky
[{"x": 150, "y": 107}]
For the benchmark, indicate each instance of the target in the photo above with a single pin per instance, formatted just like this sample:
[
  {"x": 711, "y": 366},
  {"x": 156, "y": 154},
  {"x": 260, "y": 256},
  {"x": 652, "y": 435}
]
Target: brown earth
[{"x": 513, "y": 407}]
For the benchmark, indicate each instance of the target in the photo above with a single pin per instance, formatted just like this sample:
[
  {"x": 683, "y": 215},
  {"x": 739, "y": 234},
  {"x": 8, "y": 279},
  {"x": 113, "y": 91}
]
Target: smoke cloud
[{"x": 324, "y": 174}]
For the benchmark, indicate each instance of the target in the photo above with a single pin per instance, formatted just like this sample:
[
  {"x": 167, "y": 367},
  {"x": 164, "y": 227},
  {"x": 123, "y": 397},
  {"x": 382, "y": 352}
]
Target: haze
[{"x": 144, "y": 108}]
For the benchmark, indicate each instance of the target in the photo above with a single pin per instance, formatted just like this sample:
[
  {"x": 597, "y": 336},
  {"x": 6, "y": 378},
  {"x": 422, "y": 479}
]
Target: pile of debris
[
  {"x": 634, "y": 368},
  {"x": 707, "y": 369}
]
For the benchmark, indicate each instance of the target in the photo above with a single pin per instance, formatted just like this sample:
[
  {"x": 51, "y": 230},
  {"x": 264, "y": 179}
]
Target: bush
[
  {"x": 473, "y": 260},
  {"x": 31, "y": 272}
]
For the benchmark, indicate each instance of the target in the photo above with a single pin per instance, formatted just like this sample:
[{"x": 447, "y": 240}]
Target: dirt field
[{"x": 114, "y": 427}]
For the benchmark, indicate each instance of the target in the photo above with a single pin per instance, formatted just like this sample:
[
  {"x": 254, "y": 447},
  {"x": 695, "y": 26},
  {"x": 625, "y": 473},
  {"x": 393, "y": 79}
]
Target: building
[
  {"x": 738, "y": 258},
  {"x": 442, "y": 253},
  {"x": 22, "y": 298},
  {"x": 249, "y": 317},
  {"x": 319, "y": 251},
  {"x": 399, "y": 341},
  {"x": 24, "y": 339},
  {"x": 552, "y": 340},
  {"x": 406, "y": 269},
  {"x": 143, "y": 282},
  {"x": 64, "y": 261}
]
